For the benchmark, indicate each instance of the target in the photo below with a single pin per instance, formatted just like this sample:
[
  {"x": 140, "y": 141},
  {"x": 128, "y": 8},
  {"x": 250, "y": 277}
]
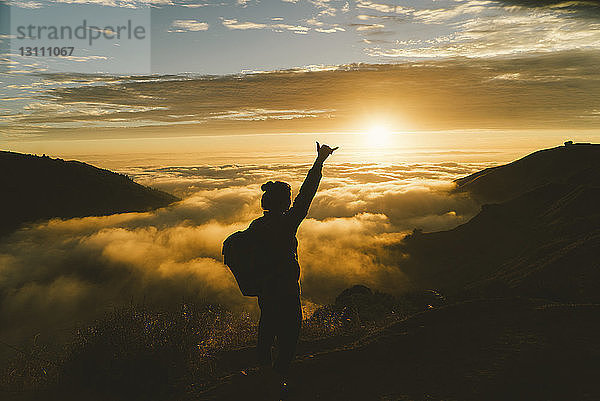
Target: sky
[
  {"x": 482, "y": 104},
  {"x": 225, "y": 69},
  {"x": 249, "y": 35}
]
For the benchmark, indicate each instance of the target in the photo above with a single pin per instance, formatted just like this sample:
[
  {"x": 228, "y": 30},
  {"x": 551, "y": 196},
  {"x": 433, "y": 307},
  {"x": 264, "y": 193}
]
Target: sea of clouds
[{"x": 61, "y": 274}]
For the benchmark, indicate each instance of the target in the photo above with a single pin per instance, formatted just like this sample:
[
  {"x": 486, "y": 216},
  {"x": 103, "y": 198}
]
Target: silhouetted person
[{"x": 279, "y": 299}]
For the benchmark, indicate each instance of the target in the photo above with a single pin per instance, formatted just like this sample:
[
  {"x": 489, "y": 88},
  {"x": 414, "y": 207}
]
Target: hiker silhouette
[{"x": 279, "y": 296}]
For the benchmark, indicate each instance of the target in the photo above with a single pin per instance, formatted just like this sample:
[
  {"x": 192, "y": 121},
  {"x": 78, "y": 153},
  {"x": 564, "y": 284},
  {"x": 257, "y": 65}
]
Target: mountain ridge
[
  {"x": 568, "y": 163},
  {"x": 38, "y": 188},
  {"x": 539, "y": 240}
]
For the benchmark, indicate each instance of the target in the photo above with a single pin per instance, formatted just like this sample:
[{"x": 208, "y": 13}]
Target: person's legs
[
  {"x": 288, "y": 331},
  {"x": 266, "y": 332}
]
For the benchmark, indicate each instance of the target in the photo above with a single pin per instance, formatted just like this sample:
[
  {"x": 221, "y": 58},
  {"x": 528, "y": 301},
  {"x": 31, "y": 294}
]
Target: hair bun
[{"x": 267, "y": 186}]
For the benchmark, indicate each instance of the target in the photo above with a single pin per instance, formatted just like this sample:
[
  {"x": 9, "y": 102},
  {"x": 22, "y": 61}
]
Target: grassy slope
[{"x": 477, "y": 350}]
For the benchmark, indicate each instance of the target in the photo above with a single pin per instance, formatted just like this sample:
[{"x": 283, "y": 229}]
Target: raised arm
[{"x": 309, "y": 187}]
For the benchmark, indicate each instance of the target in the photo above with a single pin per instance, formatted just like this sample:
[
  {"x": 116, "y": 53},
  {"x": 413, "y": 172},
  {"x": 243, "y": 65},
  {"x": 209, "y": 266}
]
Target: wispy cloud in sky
[
  {"x": 188, "y": 25},
  {"x": 487, "y": 29},
  {"x": 276, "y": 27},
  {"x": 358, "y": 30},
  {"x": 541, "y": 91}
]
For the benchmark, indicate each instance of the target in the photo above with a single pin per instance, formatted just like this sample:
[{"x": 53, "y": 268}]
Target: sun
[{"x": 379, "y": 135}]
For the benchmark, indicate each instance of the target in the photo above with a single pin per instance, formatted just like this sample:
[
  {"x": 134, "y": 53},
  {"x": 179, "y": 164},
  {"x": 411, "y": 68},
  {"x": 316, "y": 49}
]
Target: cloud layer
[
  {"x": 63, "y": 273},
  {"x": 549, "y": 90}
]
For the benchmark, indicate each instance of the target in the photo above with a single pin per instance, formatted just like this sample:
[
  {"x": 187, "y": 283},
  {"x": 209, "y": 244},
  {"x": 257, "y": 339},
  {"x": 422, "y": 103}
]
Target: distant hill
[
  {"x": 543, "y": 242},
  {"x": 576, "y": 163},
  {"x": 37, "y": 188}
]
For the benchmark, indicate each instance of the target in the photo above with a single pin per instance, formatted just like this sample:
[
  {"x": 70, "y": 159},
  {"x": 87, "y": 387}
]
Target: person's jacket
[{"x": 277, "y": 234}]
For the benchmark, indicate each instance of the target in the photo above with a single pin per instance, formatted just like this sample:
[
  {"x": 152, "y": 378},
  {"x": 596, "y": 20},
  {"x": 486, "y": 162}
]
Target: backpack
[{"x": 241, "y": 255}]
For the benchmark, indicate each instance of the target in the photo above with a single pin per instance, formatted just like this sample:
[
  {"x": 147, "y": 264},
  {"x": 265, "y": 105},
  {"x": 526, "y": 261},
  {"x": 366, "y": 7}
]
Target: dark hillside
[
  {"x": 577, "y": 163},
  {"x": 544, "y": 242},
  {"x": 38, "y": 188},
  {"x": 479, "y": 350}
]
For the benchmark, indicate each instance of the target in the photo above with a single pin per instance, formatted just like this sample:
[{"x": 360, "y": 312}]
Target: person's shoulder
[{"x": 257, "y": 222}]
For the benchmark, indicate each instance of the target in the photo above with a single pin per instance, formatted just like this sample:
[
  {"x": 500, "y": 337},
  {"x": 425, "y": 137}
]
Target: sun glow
[{"x": 379, "y": 135}]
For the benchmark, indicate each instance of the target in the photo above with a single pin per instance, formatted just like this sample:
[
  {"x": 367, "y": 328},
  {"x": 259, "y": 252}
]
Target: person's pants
[{"x": 281, "y": 319}]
